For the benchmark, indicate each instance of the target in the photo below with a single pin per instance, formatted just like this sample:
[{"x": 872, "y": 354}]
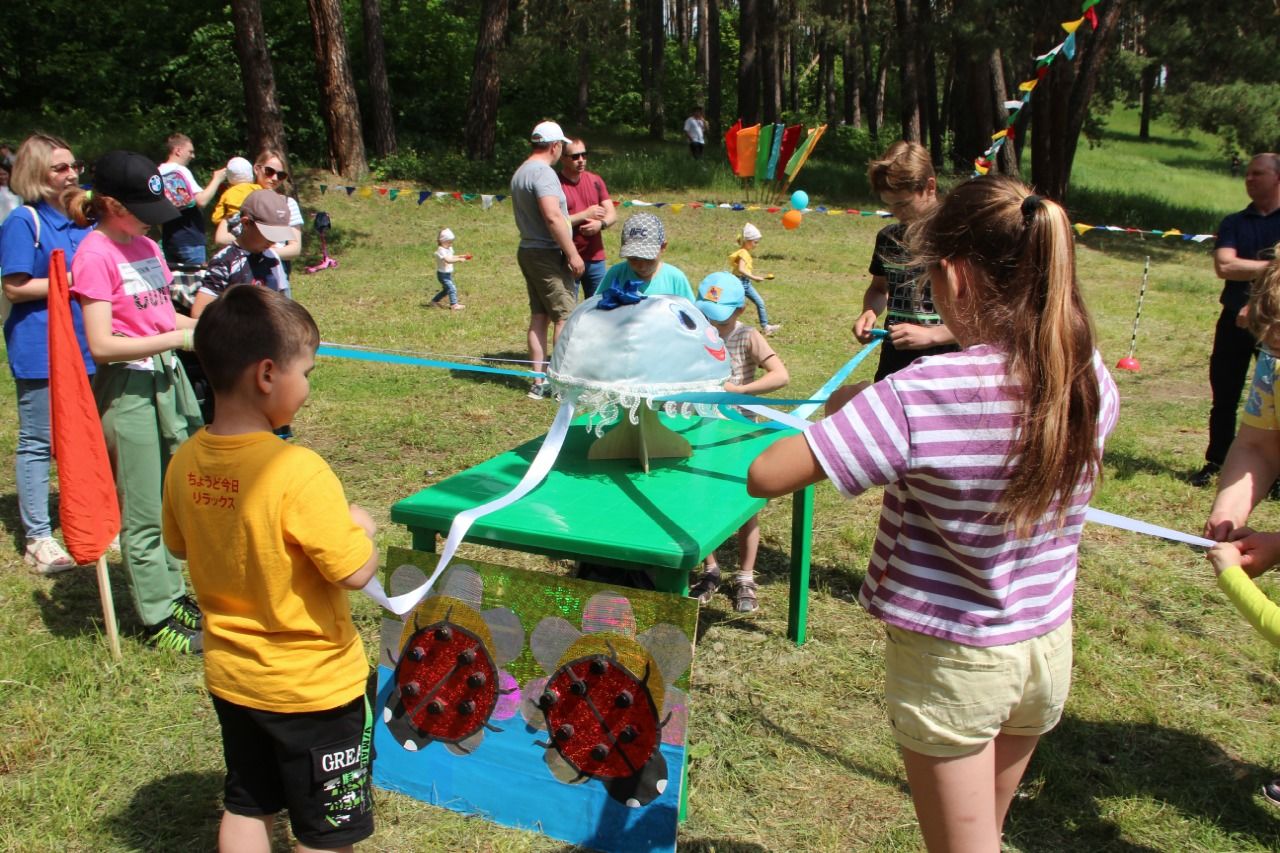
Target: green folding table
[{"x": 611, "y": 512}]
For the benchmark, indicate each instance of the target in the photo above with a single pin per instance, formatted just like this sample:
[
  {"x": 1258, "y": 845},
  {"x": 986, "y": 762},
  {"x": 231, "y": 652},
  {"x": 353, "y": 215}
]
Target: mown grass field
[{"x": 1173, "y": 723}]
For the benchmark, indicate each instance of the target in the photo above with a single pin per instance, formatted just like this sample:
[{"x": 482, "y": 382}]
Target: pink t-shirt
[{"x": 133, "y": 277}]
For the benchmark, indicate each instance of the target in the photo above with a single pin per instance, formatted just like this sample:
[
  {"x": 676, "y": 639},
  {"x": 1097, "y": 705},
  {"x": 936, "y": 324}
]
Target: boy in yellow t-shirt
[{"x": 272, "y": 546}]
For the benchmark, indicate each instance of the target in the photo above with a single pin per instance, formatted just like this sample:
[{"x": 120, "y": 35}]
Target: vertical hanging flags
[
  {"x": 748, "y": 138},
  {"x": 982, "y": 164},
  {"x": 764, "y": 147},
  {"x": 775, "y": 153},
  {"x": 731, "y": 144}
]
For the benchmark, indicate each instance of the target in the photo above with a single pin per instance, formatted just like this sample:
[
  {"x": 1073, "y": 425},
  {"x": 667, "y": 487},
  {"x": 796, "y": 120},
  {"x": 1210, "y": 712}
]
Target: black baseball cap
[{"x": 132, "y": 180}]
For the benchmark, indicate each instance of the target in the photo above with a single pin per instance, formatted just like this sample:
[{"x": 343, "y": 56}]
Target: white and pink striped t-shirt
[{"x": 936, "y": 434}]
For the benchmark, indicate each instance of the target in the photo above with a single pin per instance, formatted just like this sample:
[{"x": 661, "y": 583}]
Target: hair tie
[
  {"x": 1030, "y": 205},
  {"x": 88, "y": 195}
]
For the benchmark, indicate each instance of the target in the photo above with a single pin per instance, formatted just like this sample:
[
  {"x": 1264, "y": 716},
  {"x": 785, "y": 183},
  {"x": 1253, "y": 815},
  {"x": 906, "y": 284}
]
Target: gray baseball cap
[{"x": 643, "y": 236}]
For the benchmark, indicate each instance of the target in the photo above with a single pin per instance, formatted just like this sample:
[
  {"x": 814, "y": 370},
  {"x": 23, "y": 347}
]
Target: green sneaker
[
  {"x": 174, "y": 636},
  {"x": 187, "y": 613}
]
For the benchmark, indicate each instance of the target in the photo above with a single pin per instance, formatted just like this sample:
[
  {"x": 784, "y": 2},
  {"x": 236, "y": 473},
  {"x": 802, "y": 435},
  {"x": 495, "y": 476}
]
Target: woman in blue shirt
[{"x": 43, "y": 168}]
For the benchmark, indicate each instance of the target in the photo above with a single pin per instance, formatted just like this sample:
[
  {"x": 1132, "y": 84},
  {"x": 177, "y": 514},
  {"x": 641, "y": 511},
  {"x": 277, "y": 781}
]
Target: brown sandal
[
  {"x": 744, "y": 595},
  {"x": 706, "y": 588}
]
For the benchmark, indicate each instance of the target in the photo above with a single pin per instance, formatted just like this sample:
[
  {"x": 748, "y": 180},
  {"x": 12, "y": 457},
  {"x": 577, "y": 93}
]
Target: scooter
[{"x": 322, "y": 225}]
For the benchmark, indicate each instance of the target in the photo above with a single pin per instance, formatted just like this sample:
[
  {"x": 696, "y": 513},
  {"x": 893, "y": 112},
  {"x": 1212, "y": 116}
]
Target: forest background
[{"x": 445, "y": 90}]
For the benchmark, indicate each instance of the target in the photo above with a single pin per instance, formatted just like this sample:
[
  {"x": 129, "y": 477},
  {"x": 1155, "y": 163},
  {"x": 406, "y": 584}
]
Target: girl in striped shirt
[{"x": 989, "y": 457}]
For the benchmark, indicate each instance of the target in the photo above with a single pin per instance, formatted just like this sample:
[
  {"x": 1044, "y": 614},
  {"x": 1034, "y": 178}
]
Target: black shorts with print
[{"x": 318, "y": 765}]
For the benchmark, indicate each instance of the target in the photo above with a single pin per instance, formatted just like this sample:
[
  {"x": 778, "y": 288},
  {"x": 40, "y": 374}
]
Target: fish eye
[{"x": 686, "y": 319}]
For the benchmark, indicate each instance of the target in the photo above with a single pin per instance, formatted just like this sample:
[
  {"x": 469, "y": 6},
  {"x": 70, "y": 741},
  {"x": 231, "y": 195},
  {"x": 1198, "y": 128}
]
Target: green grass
[{"x": 1171, "y": 727}]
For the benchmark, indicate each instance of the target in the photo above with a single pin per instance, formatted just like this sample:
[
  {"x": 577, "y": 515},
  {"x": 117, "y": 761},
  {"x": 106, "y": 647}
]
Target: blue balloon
[{"x": 799, "y": 199}]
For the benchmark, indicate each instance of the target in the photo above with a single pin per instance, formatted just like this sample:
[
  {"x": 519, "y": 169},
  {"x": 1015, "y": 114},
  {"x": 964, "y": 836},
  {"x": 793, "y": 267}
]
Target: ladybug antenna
[
  {"x": 613, "y": 653},
  {"x": 491, "y": 727}
]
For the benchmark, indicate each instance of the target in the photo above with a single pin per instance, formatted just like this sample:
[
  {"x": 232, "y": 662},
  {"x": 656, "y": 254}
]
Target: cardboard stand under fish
[
  {"x": 578, "y": 733},
  {"x": 620, "y": 351}
]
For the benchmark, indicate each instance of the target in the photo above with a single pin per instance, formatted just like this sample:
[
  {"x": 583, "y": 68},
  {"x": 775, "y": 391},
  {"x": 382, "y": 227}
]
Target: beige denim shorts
[{"x": 947, "y": 700}]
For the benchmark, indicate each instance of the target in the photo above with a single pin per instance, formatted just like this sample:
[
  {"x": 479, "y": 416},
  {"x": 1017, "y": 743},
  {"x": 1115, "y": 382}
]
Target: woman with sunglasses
[
  {"x": 43, "y": 169},
  {"x": 271, "y": 173}
]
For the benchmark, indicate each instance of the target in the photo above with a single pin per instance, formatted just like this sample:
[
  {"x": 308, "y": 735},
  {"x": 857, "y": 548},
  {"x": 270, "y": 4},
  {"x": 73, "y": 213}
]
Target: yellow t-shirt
[
  {"x": 267, "y": 533},
  {"x": 230, "y": 200},
  {"x": 747, "y": 266}
]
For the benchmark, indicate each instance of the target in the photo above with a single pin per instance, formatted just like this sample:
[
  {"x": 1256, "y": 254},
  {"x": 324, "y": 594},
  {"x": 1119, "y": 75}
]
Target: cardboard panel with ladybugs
[{"x": 537, "y": 701}]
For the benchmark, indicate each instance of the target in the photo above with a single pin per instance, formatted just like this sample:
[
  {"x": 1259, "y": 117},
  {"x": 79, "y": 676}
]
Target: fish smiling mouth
[{"x": 718, "y": 353}]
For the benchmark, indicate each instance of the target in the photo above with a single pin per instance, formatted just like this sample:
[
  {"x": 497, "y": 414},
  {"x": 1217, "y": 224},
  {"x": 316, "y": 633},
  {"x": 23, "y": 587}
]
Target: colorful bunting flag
[{"x": 748, "y": 140}]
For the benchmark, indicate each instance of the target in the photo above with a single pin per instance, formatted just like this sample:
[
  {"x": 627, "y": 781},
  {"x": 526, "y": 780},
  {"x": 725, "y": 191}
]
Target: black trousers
[{"x": 1233, "y": 351}]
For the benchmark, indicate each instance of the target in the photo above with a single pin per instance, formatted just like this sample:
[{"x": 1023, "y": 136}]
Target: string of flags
[
  {"x": 487, "y": 201},
  {"x": 1067, "y": 48},
  {"x": 393, "y": 193}
]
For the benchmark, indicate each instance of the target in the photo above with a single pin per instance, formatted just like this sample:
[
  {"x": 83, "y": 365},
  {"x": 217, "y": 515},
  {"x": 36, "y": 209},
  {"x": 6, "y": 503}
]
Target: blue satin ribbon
[{"x": 339, "y": 351}]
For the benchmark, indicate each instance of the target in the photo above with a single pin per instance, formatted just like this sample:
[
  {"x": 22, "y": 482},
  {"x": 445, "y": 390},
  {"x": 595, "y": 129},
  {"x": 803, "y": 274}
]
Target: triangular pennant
[
  {"x": 457, "y": 196},
  {"x": 423, "y": 195},
  {"x": 323, "y": 188},
  {"x": 1069, "y": 46},
  {"x": 382, "y": 190},
  {"x": 486, "y": 201},
  {"x": 1173, "y": 232},
  {"x": 1081, "y": 227},
  {"x": 1000, "y": 134},
  {"x": 469, "y": 196},
  {"x": 1013, "y": 106},
  {"x": 394, "y": 192},
  {"x": 1092, "y": 17},
  {"x": 1027, "y": 85},
  {"x": 366, "y": 192},
  {"x": 1088, "y": 4},
  {"x": 676, "y": 208},
  {"x": 349, "y": 190},
  {"x": 1072, "y": 26}
]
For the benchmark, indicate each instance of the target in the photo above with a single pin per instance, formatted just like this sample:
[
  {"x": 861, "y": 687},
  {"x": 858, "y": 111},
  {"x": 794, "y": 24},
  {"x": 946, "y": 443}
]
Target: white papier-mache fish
[{"x": 624, "y": 349}]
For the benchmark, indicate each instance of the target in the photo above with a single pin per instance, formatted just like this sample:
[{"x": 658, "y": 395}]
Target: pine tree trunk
[
  {"x": 852, "y": 102},
  {"x": 714, "y": 106},
  {"x": 1059, "y": 114},
  {"x": 657, "y": 69},
  {"x": 482, "y": 100},
  {"x": 908, "y": 88},
  {"x": 384, "y": 129},
  {"x": 770, "y": 65},
  {"x": 748, "y": 64},
  {"x": 337, "y": 90},
  {"x": 262, "y": 110}
]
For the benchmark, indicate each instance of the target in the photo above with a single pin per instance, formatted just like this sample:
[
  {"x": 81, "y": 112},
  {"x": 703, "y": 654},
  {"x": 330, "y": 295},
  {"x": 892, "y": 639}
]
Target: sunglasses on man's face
[
  {"x": 274, "y": 173},
  {"x": 63, "y": 168},
  {"x": 581, "y": 155}
]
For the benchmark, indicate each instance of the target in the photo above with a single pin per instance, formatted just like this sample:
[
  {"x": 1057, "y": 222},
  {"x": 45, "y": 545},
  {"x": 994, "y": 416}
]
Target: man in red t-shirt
[{"x": 590, "y": 212}]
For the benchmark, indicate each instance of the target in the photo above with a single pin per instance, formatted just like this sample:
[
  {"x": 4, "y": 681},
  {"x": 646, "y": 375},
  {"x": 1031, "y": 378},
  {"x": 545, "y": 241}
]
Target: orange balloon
[{"x": 791, "y": 219}]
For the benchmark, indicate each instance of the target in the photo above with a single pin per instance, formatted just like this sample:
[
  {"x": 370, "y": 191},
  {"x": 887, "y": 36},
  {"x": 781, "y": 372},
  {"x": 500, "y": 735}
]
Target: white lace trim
[{"x": 604, "y": 404}]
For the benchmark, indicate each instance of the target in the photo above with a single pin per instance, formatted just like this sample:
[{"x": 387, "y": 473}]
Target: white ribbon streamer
[
  {"x": 1098, "y": 516},
  {"x": 538, "y": 470},
  {"x": 1132, "y": 524}
]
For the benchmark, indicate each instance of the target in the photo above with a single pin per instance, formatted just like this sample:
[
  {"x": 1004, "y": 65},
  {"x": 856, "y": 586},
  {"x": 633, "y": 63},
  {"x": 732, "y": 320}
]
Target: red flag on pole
[{"x": 87, "y": 503}]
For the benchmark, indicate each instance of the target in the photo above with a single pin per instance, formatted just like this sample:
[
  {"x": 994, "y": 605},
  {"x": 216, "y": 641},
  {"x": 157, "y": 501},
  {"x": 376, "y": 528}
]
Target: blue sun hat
[{"x": 719, "y": 295}]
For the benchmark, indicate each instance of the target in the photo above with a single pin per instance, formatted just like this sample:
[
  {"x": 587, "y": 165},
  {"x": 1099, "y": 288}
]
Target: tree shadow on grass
[
  {"x": 513, "y": 360},
  {"x": 1083, "y": 765},
  {"x": 176, "y": 812},
  {"x": 1134, "y": 210}
]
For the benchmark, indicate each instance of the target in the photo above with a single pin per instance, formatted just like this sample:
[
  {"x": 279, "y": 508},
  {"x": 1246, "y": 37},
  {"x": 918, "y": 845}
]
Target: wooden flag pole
[{"x": 108, "y": 608}]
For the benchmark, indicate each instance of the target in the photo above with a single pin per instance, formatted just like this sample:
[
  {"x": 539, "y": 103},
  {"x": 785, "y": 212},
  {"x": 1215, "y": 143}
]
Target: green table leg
[
  {"x": 801, "y": 528},
  {"x": 423, "y": 540}
]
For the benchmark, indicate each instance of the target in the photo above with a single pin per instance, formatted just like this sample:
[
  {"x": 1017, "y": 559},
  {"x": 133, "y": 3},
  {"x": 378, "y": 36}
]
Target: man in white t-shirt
[
  {"x": 183, "y": 238},
  {"x": 695, "y": 127}
]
